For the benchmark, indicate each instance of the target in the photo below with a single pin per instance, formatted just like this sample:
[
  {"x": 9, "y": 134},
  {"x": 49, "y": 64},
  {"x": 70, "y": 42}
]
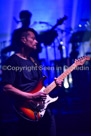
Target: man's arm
[{"x": 14, "y": 92}]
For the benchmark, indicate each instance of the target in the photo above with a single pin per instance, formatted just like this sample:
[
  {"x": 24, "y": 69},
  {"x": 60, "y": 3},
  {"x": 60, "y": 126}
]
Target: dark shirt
[
  {"x": 24, "y": 79},
  {"x": 21, "y": 73}
]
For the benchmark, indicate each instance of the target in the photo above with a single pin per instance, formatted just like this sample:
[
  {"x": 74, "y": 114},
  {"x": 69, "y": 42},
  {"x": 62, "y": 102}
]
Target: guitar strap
[{"x": 37, "y": 66}]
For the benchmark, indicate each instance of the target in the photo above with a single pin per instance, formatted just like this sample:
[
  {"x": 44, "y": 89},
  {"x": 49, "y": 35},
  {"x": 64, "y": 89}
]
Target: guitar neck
[
  {"x": 59, "y": 22},
  {"x": 50, "y": 87},
  {"x": 54, "y": 27}
]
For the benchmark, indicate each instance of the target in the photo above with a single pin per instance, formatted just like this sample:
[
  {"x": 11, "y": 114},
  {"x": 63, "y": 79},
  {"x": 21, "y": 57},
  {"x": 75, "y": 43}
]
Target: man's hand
[
  {"x": 58, "y": 81},
  {"x": 41, "y": 96}
]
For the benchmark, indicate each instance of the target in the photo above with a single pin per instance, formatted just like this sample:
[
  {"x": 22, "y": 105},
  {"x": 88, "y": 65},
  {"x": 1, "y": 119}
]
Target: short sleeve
[{"x": 9, "y": 72}]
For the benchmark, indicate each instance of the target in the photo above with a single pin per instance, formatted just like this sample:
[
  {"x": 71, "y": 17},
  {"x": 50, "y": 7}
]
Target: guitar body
[{"x": 34, "y": 110}]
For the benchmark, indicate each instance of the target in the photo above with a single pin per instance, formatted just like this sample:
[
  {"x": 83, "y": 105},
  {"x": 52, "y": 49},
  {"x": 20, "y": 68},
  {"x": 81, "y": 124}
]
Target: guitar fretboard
[{"x": 50, "y": 87}]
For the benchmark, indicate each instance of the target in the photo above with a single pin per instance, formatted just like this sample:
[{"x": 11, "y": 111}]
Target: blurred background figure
[{"x": 25, "y": 19}]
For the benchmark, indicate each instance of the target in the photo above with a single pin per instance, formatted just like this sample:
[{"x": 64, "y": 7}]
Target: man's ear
[{"x": 23, "y": 40}]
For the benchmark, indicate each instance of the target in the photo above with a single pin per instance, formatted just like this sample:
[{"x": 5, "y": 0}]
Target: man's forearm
[{"x": 12, "y": 91}]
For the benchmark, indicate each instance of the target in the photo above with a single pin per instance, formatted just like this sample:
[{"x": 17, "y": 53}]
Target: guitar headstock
[
  {"x": 60, "y": 21},
  {"x": 81, "y": 60}
]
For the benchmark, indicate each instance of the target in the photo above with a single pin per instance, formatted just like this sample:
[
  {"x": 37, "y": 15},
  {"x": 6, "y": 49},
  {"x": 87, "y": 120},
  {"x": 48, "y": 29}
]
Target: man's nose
[{"x": 36, "y": 42}]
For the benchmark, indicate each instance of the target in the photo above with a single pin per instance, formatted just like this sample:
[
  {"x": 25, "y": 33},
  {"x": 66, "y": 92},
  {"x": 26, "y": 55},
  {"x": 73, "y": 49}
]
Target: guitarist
[{"x": 18, "y": 78}]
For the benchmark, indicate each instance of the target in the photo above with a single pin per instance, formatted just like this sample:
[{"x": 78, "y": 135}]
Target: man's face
[{"x": 30, "y": 40}]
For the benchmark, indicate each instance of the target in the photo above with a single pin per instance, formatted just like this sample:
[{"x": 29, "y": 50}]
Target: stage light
[
  {"x": 80, "y": 25},
  {"x": 61, "y": 42}
]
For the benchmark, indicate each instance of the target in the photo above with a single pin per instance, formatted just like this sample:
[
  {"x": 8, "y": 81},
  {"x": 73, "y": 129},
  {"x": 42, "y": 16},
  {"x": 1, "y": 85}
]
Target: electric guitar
[
  {"x": 35, "y": 110},
  {"x": 47, "y": 37}
]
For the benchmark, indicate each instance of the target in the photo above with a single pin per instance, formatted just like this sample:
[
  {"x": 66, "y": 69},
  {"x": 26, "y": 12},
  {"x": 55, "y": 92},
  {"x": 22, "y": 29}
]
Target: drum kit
[{"x": 80, "y": 36}]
